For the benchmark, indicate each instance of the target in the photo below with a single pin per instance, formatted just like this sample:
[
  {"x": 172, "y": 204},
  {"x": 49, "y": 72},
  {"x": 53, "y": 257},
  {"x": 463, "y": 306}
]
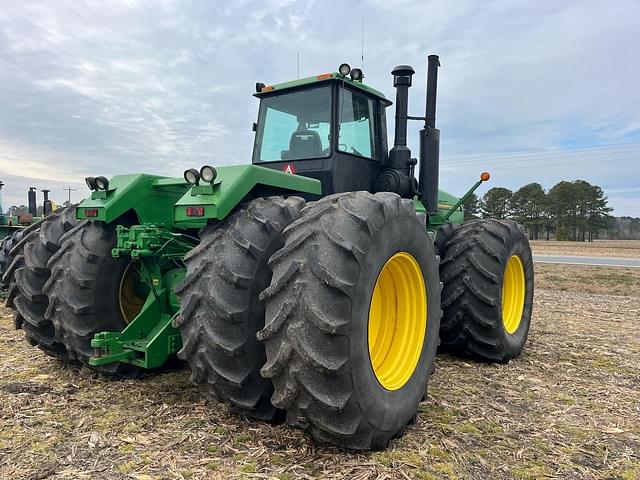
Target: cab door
[{"x": 358, "y": 147}]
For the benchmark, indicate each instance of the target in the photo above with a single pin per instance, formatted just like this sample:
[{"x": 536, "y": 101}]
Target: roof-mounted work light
[
  {"x": 344, "y": 69},
  {"x": 357, "y": 75}
]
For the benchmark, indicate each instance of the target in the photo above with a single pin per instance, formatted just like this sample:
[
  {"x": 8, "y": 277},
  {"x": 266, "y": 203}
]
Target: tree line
[{"x": 568, "y": 211}]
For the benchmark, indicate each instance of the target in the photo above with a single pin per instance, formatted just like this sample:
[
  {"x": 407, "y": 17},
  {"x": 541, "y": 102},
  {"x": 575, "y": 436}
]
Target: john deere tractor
[{"x": 312, "y": 286}]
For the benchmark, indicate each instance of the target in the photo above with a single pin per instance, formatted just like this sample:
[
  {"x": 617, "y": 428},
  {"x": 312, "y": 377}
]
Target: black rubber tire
[
  {"x": 9, "y": 250},
  {"x": 317, "y": 310},
  {"x": 221, "y": 311},
  {"x": 83, "y": 292},
  {"x": 443, "y": 235},
  {"x": 30, "y": 302},
  {"x": 6, "y": 245},
  {"x": 12, "y": 258},
  {"x": 473, "y": 260}
]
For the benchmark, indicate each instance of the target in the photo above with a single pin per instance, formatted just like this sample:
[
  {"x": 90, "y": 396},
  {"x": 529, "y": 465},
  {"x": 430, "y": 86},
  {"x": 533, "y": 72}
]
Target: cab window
[
  {"x": 294, "y": 125},
  {"x": 356, "y": 126}
]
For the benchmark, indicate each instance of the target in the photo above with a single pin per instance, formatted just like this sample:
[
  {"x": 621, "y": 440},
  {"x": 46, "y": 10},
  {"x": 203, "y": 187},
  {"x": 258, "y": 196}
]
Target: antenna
[
  {"x": 362, "y": 46},
  {"x": 298, "y": 64}
]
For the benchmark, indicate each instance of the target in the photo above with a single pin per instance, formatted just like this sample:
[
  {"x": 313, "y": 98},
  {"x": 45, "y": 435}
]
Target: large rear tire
[
  {"x": 349, "y": 351},
  {"x": 31, "y": 302},
  {"x": 84, "y": 292},
  {"x": 221, "y": 312},
  {"x": 487, "y": 271}
]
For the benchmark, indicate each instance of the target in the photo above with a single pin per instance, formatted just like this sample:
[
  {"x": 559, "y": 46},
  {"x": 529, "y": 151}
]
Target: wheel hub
[
  {"x": 513, "y": 294},
  {"x": 397, "y": 321}
]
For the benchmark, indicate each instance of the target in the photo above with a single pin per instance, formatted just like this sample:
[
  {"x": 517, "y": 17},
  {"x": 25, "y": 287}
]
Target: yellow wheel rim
[
  {"x": 397, "y": 321},
  {"x": 513, "y": 293},
  {"x": 130, "y": 302}
]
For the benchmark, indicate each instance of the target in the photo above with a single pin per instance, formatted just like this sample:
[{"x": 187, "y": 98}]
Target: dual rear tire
[
  {"x": 88, "y": 292},
  {"x": 347, "y": 328},
  {"x": 487, "y": 273}
]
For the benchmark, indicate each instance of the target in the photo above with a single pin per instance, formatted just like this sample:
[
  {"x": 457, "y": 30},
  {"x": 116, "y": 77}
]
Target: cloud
[{"x": 535, "y": 92}]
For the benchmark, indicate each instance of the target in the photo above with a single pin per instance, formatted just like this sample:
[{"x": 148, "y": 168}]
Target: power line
[
  {"x": 69, "y": 190},
  {"x": 631, "y": 147},
  {"x": 571, "y": 158}
]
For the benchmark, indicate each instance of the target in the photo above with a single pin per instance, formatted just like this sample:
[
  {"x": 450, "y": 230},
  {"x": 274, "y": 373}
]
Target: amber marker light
[
  {"x": 324, "y": 76},
  {"x": 485, "y": 176}
]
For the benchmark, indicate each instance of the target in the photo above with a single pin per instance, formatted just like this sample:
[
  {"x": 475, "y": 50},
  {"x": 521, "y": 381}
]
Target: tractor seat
[{"x": 305, "y": 144}]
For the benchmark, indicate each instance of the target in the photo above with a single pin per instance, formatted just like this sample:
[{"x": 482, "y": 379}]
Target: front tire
[
  {"x": 348, "y": 351},
  {"x": 487, "y": 271}
]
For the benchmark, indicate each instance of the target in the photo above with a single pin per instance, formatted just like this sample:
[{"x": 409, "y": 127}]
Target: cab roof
[{"x": 319, "y": 79}]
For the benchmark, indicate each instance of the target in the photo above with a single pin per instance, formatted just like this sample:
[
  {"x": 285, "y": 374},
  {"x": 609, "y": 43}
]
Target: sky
[{"x": 532, "y": 91}]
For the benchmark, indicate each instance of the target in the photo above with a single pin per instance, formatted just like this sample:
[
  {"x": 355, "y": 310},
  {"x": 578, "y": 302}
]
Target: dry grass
[
  {"x": 599, "y": 248},
  {"x": 568, "y": 408},
  {"x": 588, "y": 279}
]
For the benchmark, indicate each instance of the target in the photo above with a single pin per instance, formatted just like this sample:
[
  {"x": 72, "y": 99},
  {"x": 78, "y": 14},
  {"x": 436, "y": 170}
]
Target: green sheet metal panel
[{"x": 231, "y": 186}]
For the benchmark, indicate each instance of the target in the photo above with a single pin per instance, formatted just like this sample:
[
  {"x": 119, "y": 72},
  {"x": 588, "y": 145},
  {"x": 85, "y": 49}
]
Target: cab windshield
[{"x": 294, "y": 126}]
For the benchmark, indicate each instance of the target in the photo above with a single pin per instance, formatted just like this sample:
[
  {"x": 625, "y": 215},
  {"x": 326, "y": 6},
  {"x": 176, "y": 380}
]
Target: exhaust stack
[
  {"x": 430, "y": 143},
  {"x": 31, "y": 196},
  {"x": 47, "y": 208}
]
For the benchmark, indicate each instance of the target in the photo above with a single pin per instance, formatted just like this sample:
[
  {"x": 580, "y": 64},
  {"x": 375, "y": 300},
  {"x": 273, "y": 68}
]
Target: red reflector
[
  {"x": 90, "y": 212},
  {"x": 195, "y": 211}
]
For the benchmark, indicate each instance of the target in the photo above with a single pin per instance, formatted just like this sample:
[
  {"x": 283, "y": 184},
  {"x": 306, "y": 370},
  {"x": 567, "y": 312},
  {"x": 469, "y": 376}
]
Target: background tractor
[{"x": 312, "y": 286}]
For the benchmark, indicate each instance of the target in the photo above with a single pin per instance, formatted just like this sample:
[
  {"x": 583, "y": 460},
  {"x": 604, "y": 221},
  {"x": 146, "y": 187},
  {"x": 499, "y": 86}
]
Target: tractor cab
[{"x": 330, "y": 127}]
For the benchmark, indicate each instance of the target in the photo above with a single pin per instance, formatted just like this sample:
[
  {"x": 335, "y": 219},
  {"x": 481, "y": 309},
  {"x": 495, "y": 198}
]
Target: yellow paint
[
  {"x": 514, "y": 287},
  {"x": 130, "y": 302},
  {"x": 397, "y": 321}
]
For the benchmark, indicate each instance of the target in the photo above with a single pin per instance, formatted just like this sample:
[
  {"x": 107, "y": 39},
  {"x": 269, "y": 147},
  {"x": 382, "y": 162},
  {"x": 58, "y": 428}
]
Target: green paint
[
  {"x": 331, "y": 77},
  {"x": 150, "y": 338},
  {"x": 163, "y": 201},
  {"x": 234, "y": 184},
  {"x": 151, "y": 198},
  {"x": 463, "y": 199},
  {"x": 448, "y": 211}
]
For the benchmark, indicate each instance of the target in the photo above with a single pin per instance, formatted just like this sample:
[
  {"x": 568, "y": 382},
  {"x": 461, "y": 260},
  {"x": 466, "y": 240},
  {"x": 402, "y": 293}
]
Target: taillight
[
  {"x": 195, "y": 211},
  {"x": 90, "y": 212}
]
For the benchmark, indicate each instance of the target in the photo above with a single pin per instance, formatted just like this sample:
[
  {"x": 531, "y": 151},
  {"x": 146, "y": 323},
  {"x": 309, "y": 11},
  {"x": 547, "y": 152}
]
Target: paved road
[{"x": 596, "y": 261}]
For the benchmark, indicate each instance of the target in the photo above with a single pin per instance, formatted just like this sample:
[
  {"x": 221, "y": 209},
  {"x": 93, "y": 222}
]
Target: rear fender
[
  {"x": 234, "y": 185},
  {"x": 151, "y": 198}
]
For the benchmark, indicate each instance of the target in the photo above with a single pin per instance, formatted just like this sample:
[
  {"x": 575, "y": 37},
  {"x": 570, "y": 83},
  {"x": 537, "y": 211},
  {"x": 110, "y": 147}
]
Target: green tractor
[{"x": 313, "y": 286}]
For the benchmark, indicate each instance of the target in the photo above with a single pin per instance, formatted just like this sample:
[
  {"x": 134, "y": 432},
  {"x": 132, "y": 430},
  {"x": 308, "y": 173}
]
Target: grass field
[
  {"x": 599, "y": 248},
  {"x": 569, "y": 407}
]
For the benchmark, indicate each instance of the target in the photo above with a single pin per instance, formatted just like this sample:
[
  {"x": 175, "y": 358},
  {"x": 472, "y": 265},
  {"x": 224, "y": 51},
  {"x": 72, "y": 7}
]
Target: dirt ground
[
  {"x": 569, "y": 407},
  {"x": 599, "y": 248}
]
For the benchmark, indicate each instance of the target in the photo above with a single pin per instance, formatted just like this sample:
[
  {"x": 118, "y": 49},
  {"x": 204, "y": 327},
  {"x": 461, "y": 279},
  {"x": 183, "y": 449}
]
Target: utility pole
[{"x": 69, "y": 190}]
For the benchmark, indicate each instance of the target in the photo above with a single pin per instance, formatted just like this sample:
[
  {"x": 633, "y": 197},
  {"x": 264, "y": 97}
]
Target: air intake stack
[
  {"x": 33, "y": 207},
  {"x": 398, "y": 173},
  {"x": 47, "y": 207}
]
